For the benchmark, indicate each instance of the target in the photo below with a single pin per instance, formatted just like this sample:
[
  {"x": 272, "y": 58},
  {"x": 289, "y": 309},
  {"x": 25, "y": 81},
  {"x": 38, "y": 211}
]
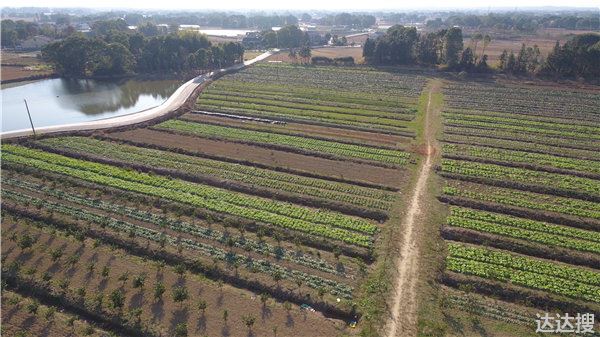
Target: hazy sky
[{"x": 267, "y": 5}]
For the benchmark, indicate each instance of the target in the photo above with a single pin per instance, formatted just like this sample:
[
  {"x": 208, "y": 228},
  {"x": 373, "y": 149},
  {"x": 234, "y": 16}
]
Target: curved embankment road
[{"x": 176, "y": 100}]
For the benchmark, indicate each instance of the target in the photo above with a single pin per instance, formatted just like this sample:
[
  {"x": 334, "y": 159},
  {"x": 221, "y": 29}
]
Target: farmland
[
  {"x": 519, "y": 176},
  {"x": 266, "y": 209}
]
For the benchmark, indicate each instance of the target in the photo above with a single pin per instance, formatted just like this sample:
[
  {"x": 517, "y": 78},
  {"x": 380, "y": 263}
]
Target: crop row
[
  {"x": 295, "y": 91},
  {"x": 523, "y": 176},
  {"x": 516, "y": 145},
  {"x": 522, "y": 157},
  {"x": 523, "y": 99},
  {"x": 507, "y": 122},
  {"x": 525, "y": 229},
  {"x": 334, "y": 78},
  {"x": 197, "y": 230},
  {"x": 235, "y": 91},
  {"x": 525, "y": 137},
  {"x": 528, "y": 272},
  {"x": 361, "y": 196},
  {"x": 300, "y": 114},
  {"x": 256, "y": 209},
  {"x": 231, "y": 258},
  {"x": 334, "y": 148},
  {"x": 216, "y": 99},
  {"x": 520, "y": 128},
  {"x": 529, "y": 200},
  {"x": 561, "y": 120}
]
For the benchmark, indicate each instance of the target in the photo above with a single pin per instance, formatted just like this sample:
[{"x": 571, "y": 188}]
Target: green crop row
[
  {"x": 371, "y": 80},
  {"x": 321, "y": 223},
  {"x": 528, "y": 272},
  {"x": 267, "y": 267},
  {"x": 520, "y": 128},
  {"x": 566, "y": 144},
  {"x": 506, "y": 122},
  {"x": 529, "y": 264},
  {"x": 548, "y": 147},
  {"x": 334, "y": 148},
  {"x": 523, "y": 99},
  {"x": 520, "y": 175},
  {"x": 356, "y": 195},
  {"x": 529, "y": 200},
  {"x": 522, "y": 157},
  {"x": 268, "y": 110},
  {"x": 248, "y": 92},
  {"x": 217, "y": 99},
  {"x": 195, "y": 229},
  {"x": 289, "y": 90},
  {"x": 525, "y": 229}
]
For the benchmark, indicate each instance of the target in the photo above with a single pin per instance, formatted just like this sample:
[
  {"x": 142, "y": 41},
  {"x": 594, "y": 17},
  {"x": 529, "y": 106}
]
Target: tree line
[
  {"x": 519, "y": 21},
  {"x": 579, "y": 57},
  {"x": 117, "y": 53}
]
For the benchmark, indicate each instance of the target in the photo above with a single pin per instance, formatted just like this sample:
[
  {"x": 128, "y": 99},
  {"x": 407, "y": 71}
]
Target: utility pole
[{"x": 29, "y": 114}]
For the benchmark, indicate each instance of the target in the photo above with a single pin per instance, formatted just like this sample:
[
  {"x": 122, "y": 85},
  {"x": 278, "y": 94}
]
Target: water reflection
[{"x": 62, "y": 101}]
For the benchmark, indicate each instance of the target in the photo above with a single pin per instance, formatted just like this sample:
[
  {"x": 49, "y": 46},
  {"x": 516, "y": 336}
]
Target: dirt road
[{"x": 403, "y": 320}]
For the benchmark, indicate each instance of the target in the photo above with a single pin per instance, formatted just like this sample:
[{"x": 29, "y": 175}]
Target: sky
[{"x": 269, "y": 5}]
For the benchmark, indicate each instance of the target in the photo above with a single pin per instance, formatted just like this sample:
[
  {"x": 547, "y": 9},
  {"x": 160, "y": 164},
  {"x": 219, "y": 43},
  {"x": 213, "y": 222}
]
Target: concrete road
[{"x": 176, "y": 100}]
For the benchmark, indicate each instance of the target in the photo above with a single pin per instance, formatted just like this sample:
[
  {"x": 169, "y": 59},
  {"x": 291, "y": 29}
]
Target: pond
[{"x": 66, "y": 101}]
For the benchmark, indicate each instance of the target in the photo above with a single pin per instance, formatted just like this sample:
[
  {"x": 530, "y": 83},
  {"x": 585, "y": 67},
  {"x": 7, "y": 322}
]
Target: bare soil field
[
  {"x": 316, "y": 130},
  {"x": 16, "y": 66},
  {"x": 166, "y": 312},
  {"x": 271, "y": 158}
]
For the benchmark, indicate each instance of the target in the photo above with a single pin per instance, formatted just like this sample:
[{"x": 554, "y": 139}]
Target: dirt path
[{"x": 403, "y": 320}]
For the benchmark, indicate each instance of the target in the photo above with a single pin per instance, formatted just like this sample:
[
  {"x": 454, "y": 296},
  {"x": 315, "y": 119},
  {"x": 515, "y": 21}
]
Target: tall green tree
[{"x": 453, "y": 46}]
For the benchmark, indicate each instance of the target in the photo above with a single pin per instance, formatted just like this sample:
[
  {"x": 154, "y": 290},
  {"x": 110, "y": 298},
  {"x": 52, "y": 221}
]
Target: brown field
[
  {"x": 163, "y": 314},
  {"x": 357, "y": 39},
  {"x": 306, "y": 129},
  {"x": 17, "y": 66},
  {"x": 271, "y": 158}
]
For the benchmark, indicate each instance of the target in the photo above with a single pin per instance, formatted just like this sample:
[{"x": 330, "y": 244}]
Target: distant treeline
[
  {"x": 519, "y": 21},
  {"x": 116, "y": 52},
  {"x": 579, "y": 57}
]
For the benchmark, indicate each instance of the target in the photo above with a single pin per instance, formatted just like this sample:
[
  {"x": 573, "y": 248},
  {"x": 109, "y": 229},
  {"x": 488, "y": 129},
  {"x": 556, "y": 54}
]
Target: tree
[
  {"x": 26, "y": 241},
  {"x": 180, "y": 294},
  {"x": 368, "y": 49},
  {"x": 225, "y": 315},
  {"x": 486, "y": 42},
  {"x": 249, "y": 321},
  {"x": 475, "y": 41},
  {"x": 181, "y": 330},
  {"x": 467, "y": 60},
  {"x": 305, "y": 53},
  {"x": 202, "y": 306},
  {"x": 453, "y": 46},
  {"x": 292, "y": 55},
  {"x": 159, "y": 290},
  {"x": 117, "y": 299}
]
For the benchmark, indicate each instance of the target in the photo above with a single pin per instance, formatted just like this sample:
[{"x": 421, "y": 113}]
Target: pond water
[{"x": 66, "y": 101}]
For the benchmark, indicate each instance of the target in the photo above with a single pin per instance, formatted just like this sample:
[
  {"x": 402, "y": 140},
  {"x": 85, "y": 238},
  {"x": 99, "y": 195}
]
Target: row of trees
[
  {"x": 403, "y": 45},
  {"x": 347, "y": 19},
  {"x": 13, "y": 32},
  {"x": 579, "y": 57},
  {"x": 519, "y": 21},
  {"x": 116, "y": 54}
]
